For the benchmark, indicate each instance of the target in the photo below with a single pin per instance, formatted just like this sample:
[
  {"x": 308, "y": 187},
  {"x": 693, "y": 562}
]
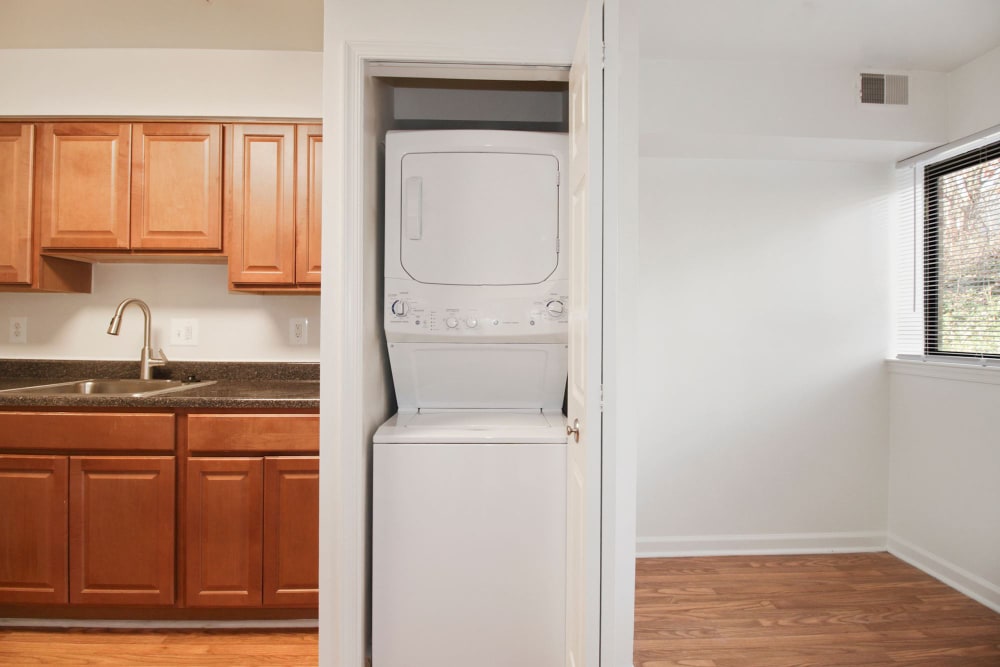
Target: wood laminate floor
[
  {"x": 191, "y": 648},
  {"x": 784, "y": 611},
  {"x": 767, "y": 611}
]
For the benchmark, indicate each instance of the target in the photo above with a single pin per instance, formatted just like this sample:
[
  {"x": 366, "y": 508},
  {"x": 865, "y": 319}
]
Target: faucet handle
[{"x": 161, "y": 360}]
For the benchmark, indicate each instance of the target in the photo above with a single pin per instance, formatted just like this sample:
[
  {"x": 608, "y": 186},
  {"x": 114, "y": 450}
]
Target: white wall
[
  {"x": 781, "y": 110},
  {"x": 974, "y": 96},
  {"x": 944, "y": 494},
  {"x": 944, "y": 509},
  {"x": 160, "y": 82},
  {"x": 231, "y": 327},
  {"x": 763, "y": 415}
]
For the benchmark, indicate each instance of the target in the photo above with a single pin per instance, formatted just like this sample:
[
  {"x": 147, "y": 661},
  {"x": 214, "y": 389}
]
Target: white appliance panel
[
  {"x": 481, "y": 375},
  {"x": 479, "y": 218},
  {"x": 468, "y": 544},
  {"x": 474, "y": 426}
]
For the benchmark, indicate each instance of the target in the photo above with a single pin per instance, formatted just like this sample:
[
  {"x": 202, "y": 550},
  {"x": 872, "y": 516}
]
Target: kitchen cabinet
[
  {"x": 92, "y": 530},
  {"x": 252, "y": 522},
  {"x": 291, "y": 531},
  {"x": 84, "y": 180},
  {"x": 21, "y": 267},
  {"x": 308, "y": 204},
  {"x": 121, "y": 187},
  {"x": 91, "y": 523},
  {"x": 17, "y": 143},
  {"x": 274, "y": 207},
  {"x": 121, "y": 535},
  {"x": 224, "y": 532},
  {"x": 176, "y": 186},
  {"x": 33, "y": 539}
]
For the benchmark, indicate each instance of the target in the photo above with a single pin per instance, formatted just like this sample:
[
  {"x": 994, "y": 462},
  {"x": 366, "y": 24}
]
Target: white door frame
[{"x": 344, "y": 561}]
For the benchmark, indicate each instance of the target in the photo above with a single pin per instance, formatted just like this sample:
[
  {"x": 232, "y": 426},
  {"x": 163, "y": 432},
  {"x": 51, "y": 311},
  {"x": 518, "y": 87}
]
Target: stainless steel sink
[{"x": 129, "y": 387}]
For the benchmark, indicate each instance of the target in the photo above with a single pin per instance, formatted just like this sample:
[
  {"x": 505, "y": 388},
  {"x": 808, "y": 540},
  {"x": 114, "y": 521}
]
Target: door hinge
[
  {"x": 604, "y": 54},
  {"x": 602, "y": 398}
]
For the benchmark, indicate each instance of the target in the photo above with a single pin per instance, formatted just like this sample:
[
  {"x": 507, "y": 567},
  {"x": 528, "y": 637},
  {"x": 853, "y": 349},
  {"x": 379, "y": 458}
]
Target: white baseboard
[
  {"x": 289, "y": 624},
  {"x": 958, "y": 578},
  {"x": 760, "y": 544}
]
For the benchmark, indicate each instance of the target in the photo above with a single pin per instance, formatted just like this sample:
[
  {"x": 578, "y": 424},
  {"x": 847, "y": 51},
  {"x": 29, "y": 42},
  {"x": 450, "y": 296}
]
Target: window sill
[{"x": 960, "y": 372}]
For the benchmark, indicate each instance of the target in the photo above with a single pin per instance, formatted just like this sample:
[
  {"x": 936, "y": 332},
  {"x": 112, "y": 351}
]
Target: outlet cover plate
[
  {"x": 298, "y": 331},
  {"x": 19, "y": 330}
]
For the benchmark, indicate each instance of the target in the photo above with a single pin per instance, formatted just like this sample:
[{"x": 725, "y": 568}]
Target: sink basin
[{"x": 122, "y": 387}]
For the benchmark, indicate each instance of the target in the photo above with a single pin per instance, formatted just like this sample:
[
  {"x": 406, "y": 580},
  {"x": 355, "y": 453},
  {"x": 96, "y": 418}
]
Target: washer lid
[
  {"x": 486, "y": 218},
  {"x": 473, "y": 427}
]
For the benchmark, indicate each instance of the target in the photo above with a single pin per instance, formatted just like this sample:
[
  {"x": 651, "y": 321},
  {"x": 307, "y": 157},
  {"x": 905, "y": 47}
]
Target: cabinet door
[
  {"x": 17, "y": 143},
  {"x": 263, "y": 205},
  {"x": 308, "y": 204},
  {"x": 291, "y": 531},
  {"x": 33, "y": 522},
  {"x": 84, "y": 181},
  {"x": 121, "y": 530},
  {"x": 177, "y": 186},
  {"x": 223, "y": 530}
]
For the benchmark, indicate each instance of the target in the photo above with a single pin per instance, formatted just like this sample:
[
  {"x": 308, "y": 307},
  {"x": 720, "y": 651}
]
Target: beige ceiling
[
  {"x": 930, "y": 35},
  {"x": 294, "y": 25}
]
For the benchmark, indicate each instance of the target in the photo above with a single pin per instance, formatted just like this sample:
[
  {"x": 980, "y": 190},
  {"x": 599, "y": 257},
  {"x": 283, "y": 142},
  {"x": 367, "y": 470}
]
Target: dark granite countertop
[{"x": 256, "y": 385}]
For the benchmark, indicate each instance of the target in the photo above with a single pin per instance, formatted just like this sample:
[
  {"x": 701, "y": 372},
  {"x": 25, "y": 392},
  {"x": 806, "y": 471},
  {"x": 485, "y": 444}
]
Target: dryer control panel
[{"x": 532, "y": 313}]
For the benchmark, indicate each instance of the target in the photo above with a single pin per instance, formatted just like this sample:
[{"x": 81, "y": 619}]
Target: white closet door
[{"x": 583, "y": 469}]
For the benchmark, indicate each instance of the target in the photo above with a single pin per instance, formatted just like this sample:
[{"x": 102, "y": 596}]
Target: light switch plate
[{"x": 183, "y": 331}]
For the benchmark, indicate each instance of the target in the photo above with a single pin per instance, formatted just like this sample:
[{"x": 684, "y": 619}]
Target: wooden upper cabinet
[
  {"x": 84, "y": 185},
  {"x": 33, "y": 525},
  {"x": 309, "y": 204},
  {"x": 121, "y": 540},
  {"x": 176, "y": 186},
  {"x": 262, "y": 210},
  {"x": 17, "y": 144}
]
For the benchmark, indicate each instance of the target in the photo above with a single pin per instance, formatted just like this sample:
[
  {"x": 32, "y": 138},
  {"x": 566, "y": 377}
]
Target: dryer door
[{"x": 479, "y": 218}]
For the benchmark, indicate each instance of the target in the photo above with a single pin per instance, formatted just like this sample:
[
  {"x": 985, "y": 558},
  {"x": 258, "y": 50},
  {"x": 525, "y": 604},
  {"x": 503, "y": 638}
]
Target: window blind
[
  {"x": 961, "y": 254},
  {"x": 945, "y": 246}
]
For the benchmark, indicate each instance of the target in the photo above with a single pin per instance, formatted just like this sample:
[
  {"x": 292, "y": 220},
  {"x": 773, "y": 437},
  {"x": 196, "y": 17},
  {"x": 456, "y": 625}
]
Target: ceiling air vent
[{"x": 885, "y": 89}]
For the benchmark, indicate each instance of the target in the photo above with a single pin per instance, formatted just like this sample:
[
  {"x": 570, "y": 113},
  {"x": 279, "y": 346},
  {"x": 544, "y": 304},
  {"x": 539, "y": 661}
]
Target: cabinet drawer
[
  {"x": 100, "y": 431},
  {"x": 253, "y": 433}
]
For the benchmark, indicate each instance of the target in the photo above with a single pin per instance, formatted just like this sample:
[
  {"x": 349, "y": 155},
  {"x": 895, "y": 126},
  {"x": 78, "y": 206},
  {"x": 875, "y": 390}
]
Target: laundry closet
[{"x": 465, "y": 351}]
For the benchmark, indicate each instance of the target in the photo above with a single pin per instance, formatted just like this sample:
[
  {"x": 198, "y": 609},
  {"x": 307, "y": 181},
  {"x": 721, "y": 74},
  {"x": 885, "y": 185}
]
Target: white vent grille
[{"x": 885, "y": 88}]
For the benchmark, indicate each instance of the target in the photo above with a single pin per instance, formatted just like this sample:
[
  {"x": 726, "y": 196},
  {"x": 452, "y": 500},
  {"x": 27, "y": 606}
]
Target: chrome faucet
[{"x": 146, "y": 359}]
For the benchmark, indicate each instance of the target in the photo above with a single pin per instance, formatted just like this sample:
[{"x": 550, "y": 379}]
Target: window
[{"x": 962, "y": 254}]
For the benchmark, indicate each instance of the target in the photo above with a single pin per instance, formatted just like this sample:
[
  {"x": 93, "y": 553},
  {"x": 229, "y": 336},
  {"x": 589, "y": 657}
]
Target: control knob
[
  {"x": 451, "y": 322},
  {"x": 555, "y": 308},
  {"x": 471, "y": 322},
  {"x": 399, "y": 308}
]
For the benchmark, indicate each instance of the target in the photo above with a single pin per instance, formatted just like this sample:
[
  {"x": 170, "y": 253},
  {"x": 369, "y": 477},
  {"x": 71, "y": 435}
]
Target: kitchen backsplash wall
[{"x": 230, "y": 327}]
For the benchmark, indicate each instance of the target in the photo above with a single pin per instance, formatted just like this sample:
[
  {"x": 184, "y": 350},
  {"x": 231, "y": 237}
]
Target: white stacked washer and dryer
[{"x": 469, "y": 491}]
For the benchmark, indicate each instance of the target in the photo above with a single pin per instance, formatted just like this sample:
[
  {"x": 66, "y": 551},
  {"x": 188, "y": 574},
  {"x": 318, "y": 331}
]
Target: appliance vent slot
[{"x": 885, "y": 88}]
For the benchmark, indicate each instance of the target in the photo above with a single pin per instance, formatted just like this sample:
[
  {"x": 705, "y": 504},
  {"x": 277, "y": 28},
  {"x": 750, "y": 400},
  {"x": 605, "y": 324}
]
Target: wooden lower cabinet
[
  {"x": 252, "y": 532},
  {"x": 121, "y": 542},
  {"x": 224, "y": 532},
  {"x": 33, "y": 524},
  {"x": 87, "y": 530},
  {"x": 291, "y": 531}
]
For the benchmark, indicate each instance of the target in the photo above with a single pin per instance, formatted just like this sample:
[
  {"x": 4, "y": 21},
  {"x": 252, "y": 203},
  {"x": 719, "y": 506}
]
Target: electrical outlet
[
  {"x": 183, "y": 331},
  {"x": 19, "y": 330},
  {"x": 298, "y": 331}
]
